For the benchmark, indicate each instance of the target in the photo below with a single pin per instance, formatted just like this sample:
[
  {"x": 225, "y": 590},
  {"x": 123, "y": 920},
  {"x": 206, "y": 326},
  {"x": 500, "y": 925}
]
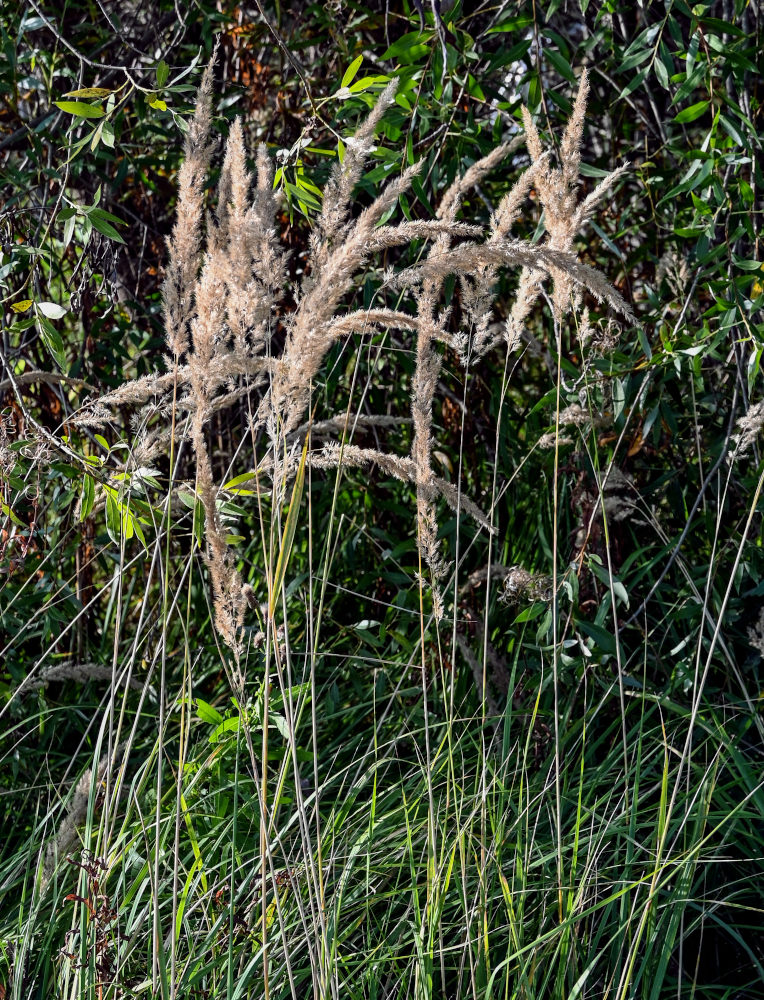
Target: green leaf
[
  {"x": 690, "y": 114},
  {"x": 107, "y": 134},
  {"x": 230, "y": 725},
  {"x": 80, "y": 109},
  {"x": 699, "y": 172},
  {"x": 589, "y": 170},
  {"x": 542, "y": 631},
  {"x": 562, "y": 65},
  {"x": 52, "y": 310},
  {"x": 534, "y": 93},
  {"x": 723, "y": 27},
  {"x": 365, "y": 624},
  {"x": 280, "y": 723},
  {"x": 163, "y": 71},
  {"x": 368, "y": 81},
  {"x": 474, "y": 88},
  {"x": 113, "y": 519},
  {"x": 418, "y": 189},
  {"x": 690, "y": 84},
  {"x": 100, "y": 221},
  {"x": 207, "y": 713},
  {"x": 509, "y": 55},
  {"x": 303, "y": 195},
  {"x": 6, "y": 510},
  {"x": 410, "y": 47},
  {"x": 135, "y": 524},
  {"x": 528, "y": 614},
  {"x": 732, "y": 130},
  {"x": 107, "y": 230},
  {"x": 619, "y": 398},
  {"x": 633, "y": 84},
  {"x": 101, "y": 213},
  {"x": 513, "y": 24},
  {"x": 351, "y": 71},
  {"x": 618, "y": 588},
  {"x": 660, "y": 72},
  {"x": 52, "y": 340},
  {"x": 634, "y": 59},
  {"x": 602, "y": 638},
  {"x": 87, "y": 496}
]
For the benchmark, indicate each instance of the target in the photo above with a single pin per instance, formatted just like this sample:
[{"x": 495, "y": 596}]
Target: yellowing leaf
[
  {"x": 245, "y": 477},
  {"x": 87, "y": 92},
  {"x": 22, "y": 306}
]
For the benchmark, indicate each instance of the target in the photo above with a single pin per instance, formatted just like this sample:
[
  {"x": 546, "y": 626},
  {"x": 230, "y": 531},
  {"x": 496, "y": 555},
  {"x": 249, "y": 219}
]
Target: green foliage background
[{"x": 643, "y": 876}]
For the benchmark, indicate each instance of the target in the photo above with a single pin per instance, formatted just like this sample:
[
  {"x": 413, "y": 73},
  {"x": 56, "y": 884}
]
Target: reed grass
[{"x": 355, "y": 814}]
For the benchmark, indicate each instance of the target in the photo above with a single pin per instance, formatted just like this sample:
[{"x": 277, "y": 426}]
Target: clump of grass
[
  {"x": 382, "y": 839},
  {"x": 227, "y": 292}
]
